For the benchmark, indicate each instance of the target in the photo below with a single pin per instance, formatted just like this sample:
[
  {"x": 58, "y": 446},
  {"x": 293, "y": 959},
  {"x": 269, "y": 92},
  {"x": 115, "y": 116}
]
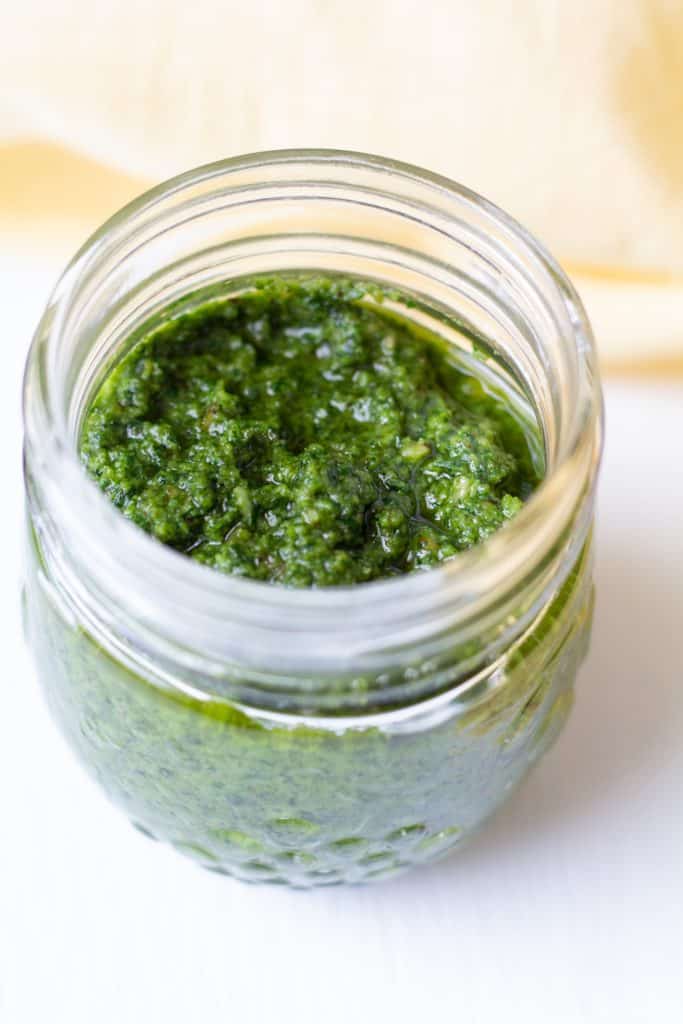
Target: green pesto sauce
[
  {"x": 297, "y": 434},
  {"x": 299, "y": 803}
]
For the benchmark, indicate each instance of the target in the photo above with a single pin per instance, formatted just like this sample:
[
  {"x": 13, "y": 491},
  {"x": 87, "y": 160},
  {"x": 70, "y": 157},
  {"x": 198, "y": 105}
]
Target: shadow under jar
[{"x": 339, "y": 734}]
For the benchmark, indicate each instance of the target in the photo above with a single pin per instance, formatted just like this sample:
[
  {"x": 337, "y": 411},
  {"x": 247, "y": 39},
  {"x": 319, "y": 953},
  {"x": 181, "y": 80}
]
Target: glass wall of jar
[{"x": 333, "y": 734}]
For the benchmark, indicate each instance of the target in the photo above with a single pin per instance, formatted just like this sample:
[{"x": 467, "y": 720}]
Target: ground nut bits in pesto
[{"x": 294, "y": 434}]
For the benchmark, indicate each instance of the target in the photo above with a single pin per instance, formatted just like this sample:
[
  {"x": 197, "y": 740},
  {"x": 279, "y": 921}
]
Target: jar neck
[{"x": 470, "y": 272}]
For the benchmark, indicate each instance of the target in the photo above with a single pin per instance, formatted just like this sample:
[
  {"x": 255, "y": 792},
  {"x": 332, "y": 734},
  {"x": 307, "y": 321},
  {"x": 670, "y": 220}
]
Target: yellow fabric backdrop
[{"x": 570, "y": 115}]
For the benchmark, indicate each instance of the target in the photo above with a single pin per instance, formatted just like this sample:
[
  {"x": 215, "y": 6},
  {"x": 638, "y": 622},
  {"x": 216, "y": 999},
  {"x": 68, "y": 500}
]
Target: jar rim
[{"x": 393, "y": 604}]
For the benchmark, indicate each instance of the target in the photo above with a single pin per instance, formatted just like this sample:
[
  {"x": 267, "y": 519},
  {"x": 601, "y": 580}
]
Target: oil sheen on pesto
[{"x": 297, "y": 433}]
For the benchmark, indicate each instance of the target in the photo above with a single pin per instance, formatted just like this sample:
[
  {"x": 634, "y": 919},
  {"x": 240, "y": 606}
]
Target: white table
[{"x": 567, "y": 908}]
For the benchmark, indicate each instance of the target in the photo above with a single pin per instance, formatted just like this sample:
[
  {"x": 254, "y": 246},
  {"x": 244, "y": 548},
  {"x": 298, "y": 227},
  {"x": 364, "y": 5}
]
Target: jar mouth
[{"x": 366, "y": 618}]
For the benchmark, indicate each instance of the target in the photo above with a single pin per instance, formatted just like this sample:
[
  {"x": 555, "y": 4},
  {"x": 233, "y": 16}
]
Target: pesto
[
  {"x": 308, "y": 432},
  {"x": 299, "y": 432},
  {"x": 296, "y": 433},
  {"x": 300, "y": 803}
]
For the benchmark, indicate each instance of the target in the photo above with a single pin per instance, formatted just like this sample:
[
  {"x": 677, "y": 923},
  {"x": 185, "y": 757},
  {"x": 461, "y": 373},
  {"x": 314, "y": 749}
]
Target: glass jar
[{"x": 293, "y": 735}]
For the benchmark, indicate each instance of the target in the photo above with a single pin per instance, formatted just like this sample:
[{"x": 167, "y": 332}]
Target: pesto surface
[{"x": 297, "y": 433}]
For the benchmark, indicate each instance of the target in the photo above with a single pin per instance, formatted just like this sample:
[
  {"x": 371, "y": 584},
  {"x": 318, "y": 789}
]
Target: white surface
[{"x": 567, "y": 908}]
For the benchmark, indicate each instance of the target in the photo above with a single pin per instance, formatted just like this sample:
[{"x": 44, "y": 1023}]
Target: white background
[{"x": 567, "y": 908}]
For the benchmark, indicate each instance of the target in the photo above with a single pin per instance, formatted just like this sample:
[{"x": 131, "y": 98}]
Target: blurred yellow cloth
[{"x": 568, "y": 114}]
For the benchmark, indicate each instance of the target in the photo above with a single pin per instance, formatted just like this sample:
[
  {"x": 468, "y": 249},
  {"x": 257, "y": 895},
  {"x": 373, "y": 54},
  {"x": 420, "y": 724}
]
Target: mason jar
[{"x": 339, "y": 734}]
